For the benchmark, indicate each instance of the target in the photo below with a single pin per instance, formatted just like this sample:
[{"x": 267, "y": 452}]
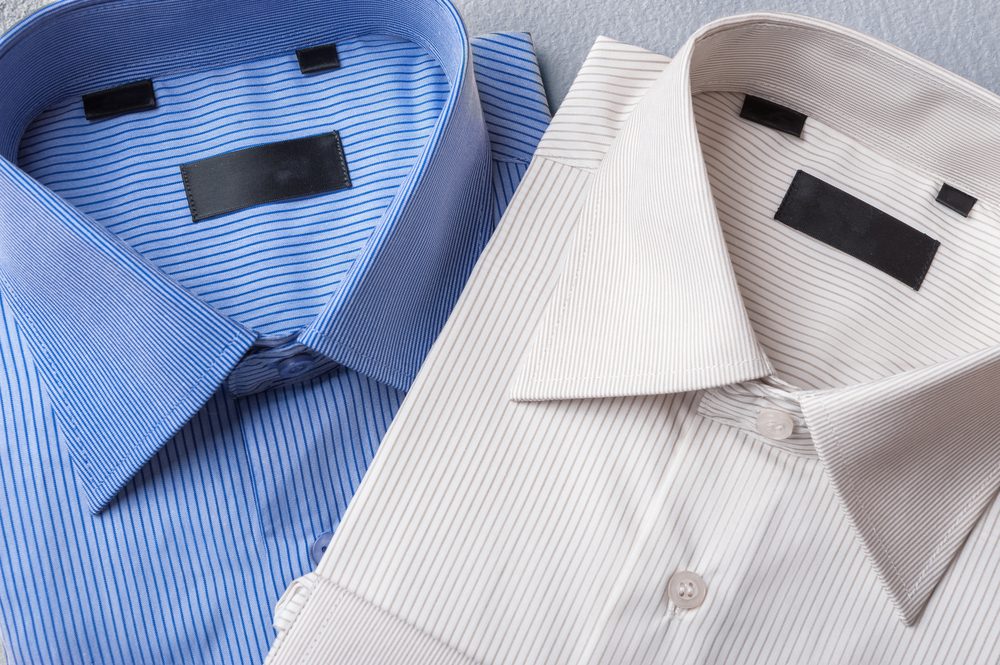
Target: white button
[
  {"x": 686, "y": 590},
  {"x": 775, "y": 424}
]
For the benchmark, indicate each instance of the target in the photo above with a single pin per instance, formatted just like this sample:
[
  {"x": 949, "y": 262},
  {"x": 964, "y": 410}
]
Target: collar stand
[
  {"x": 74, "y": 47},
  {"x": 894, "y": 102}
]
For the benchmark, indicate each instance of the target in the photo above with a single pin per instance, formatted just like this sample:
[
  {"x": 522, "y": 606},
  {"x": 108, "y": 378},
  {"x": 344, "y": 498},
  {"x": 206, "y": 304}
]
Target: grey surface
[{"x": 961, "y": 35}]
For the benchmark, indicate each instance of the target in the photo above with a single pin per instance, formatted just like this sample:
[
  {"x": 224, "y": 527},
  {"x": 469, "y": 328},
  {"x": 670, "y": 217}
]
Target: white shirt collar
[{"x": 924, "y": 437}]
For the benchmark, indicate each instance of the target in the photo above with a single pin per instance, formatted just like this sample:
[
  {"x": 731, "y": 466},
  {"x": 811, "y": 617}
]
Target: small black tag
[
  {"x": 264, "y": 174},
  {"x": 775, "y": 116},
  {"x": 956, "y": 199},
  {"x": 318, "y": 58},
  {"x": 849, "y": 224},
  {"x": 128, "y": 98}
]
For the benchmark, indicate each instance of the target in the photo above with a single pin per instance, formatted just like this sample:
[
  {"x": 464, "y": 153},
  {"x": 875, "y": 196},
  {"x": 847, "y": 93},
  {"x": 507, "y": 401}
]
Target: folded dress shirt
[
  {"x": 722, "y": 388},
  {"x": 229, "y": 232}
]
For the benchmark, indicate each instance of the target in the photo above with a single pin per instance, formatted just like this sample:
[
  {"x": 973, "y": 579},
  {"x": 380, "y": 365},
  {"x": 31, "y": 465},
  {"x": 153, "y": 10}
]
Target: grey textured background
[{"x": 962, "y": 35}]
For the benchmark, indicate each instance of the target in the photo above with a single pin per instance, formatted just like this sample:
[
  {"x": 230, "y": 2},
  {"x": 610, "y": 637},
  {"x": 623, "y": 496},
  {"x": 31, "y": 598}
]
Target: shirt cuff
[{"x": 319, "y": 621}]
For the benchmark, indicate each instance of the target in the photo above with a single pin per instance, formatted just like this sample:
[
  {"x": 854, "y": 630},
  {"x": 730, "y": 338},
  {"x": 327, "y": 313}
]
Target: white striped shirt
[{"x": 648, "y": 374}]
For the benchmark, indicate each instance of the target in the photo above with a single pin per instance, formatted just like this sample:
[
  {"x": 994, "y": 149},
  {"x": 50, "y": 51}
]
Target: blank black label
[
  {"x": 775, "y": 116},
  {"x": 840, "y": 220},
  {"x": 128, "y": 98},
  {"x": 956, "y": 199},
  {"x": 317, "y": 59},
  {"x": 265, "y": 174}
]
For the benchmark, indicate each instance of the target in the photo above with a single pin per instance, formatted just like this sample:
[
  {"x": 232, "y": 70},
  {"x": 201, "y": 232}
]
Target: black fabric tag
[
  {"x": 318, "y": 58},
  {"x": 833, "y": 216},
  {"x": 956, "y": 199},
  {"x": 128, "y": 98},
  {"x": 264, "y": 174},
  {"x": 775, "y": 116}
]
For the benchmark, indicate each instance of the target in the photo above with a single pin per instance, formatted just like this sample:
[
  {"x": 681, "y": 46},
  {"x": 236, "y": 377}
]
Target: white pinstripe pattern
[{"x": 582, "y": 428}]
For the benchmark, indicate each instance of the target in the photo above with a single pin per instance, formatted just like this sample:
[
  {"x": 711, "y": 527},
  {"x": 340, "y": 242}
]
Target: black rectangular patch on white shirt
[
  {"x": 956, "y": 199},
  {"x": 768, "y": 113},
  {"x": 854, "y": 227}
]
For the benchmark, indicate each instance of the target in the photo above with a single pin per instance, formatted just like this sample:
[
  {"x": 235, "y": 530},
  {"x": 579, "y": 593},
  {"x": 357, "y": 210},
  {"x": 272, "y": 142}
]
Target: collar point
[
  {"x": 101, "y": 489},
  {"x": 910, "y": 608},
  {"x": 128, "y": 432}
]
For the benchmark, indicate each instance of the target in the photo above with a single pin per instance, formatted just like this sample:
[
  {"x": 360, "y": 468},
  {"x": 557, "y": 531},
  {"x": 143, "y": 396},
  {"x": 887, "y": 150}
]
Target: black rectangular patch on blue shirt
[
  {"x": 315, "y": 59},
  {"x": 844, "y": 222},
  {"x": 128, "y": 98},
  {"x": 775, "y": 116},
  {"x": 264, "y": 174}
]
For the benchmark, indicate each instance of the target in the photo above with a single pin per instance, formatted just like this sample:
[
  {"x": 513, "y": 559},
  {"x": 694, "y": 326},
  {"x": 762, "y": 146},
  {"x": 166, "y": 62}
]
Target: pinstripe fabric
[
  {"x": 586, "y": 424},
  {"x": 215, "y": 391}
]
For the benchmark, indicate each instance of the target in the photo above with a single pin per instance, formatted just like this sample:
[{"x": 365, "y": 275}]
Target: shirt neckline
[{"x": 130, "y": 355}]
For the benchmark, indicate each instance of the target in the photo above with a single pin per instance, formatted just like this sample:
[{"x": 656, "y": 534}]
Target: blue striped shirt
[{"x": 187, "y": 407}]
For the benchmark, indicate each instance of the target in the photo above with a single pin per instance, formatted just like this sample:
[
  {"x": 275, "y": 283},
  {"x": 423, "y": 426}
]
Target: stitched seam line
[
  {"x": 564, "y": 161},
  {"x": 343, "y": 160},
  {"x": 188, "y": 194},
  {"x": 692, "y": 370},
  {"x": 940, "y": 549}
]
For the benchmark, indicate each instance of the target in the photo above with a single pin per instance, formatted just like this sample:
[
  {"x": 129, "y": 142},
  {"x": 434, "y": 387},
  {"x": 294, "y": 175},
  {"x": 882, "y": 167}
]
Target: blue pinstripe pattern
[
  {"x": 384, "y": 102},
  {"x": 144, "y": 359}
]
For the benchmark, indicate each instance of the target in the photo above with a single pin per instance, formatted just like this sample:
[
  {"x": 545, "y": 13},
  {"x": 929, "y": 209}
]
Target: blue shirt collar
[{"x": 125, "y": 372}]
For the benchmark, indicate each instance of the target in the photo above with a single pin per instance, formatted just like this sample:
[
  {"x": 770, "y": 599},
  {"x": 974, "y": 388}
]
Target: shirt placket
[{"x": 724, "y": 488}]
